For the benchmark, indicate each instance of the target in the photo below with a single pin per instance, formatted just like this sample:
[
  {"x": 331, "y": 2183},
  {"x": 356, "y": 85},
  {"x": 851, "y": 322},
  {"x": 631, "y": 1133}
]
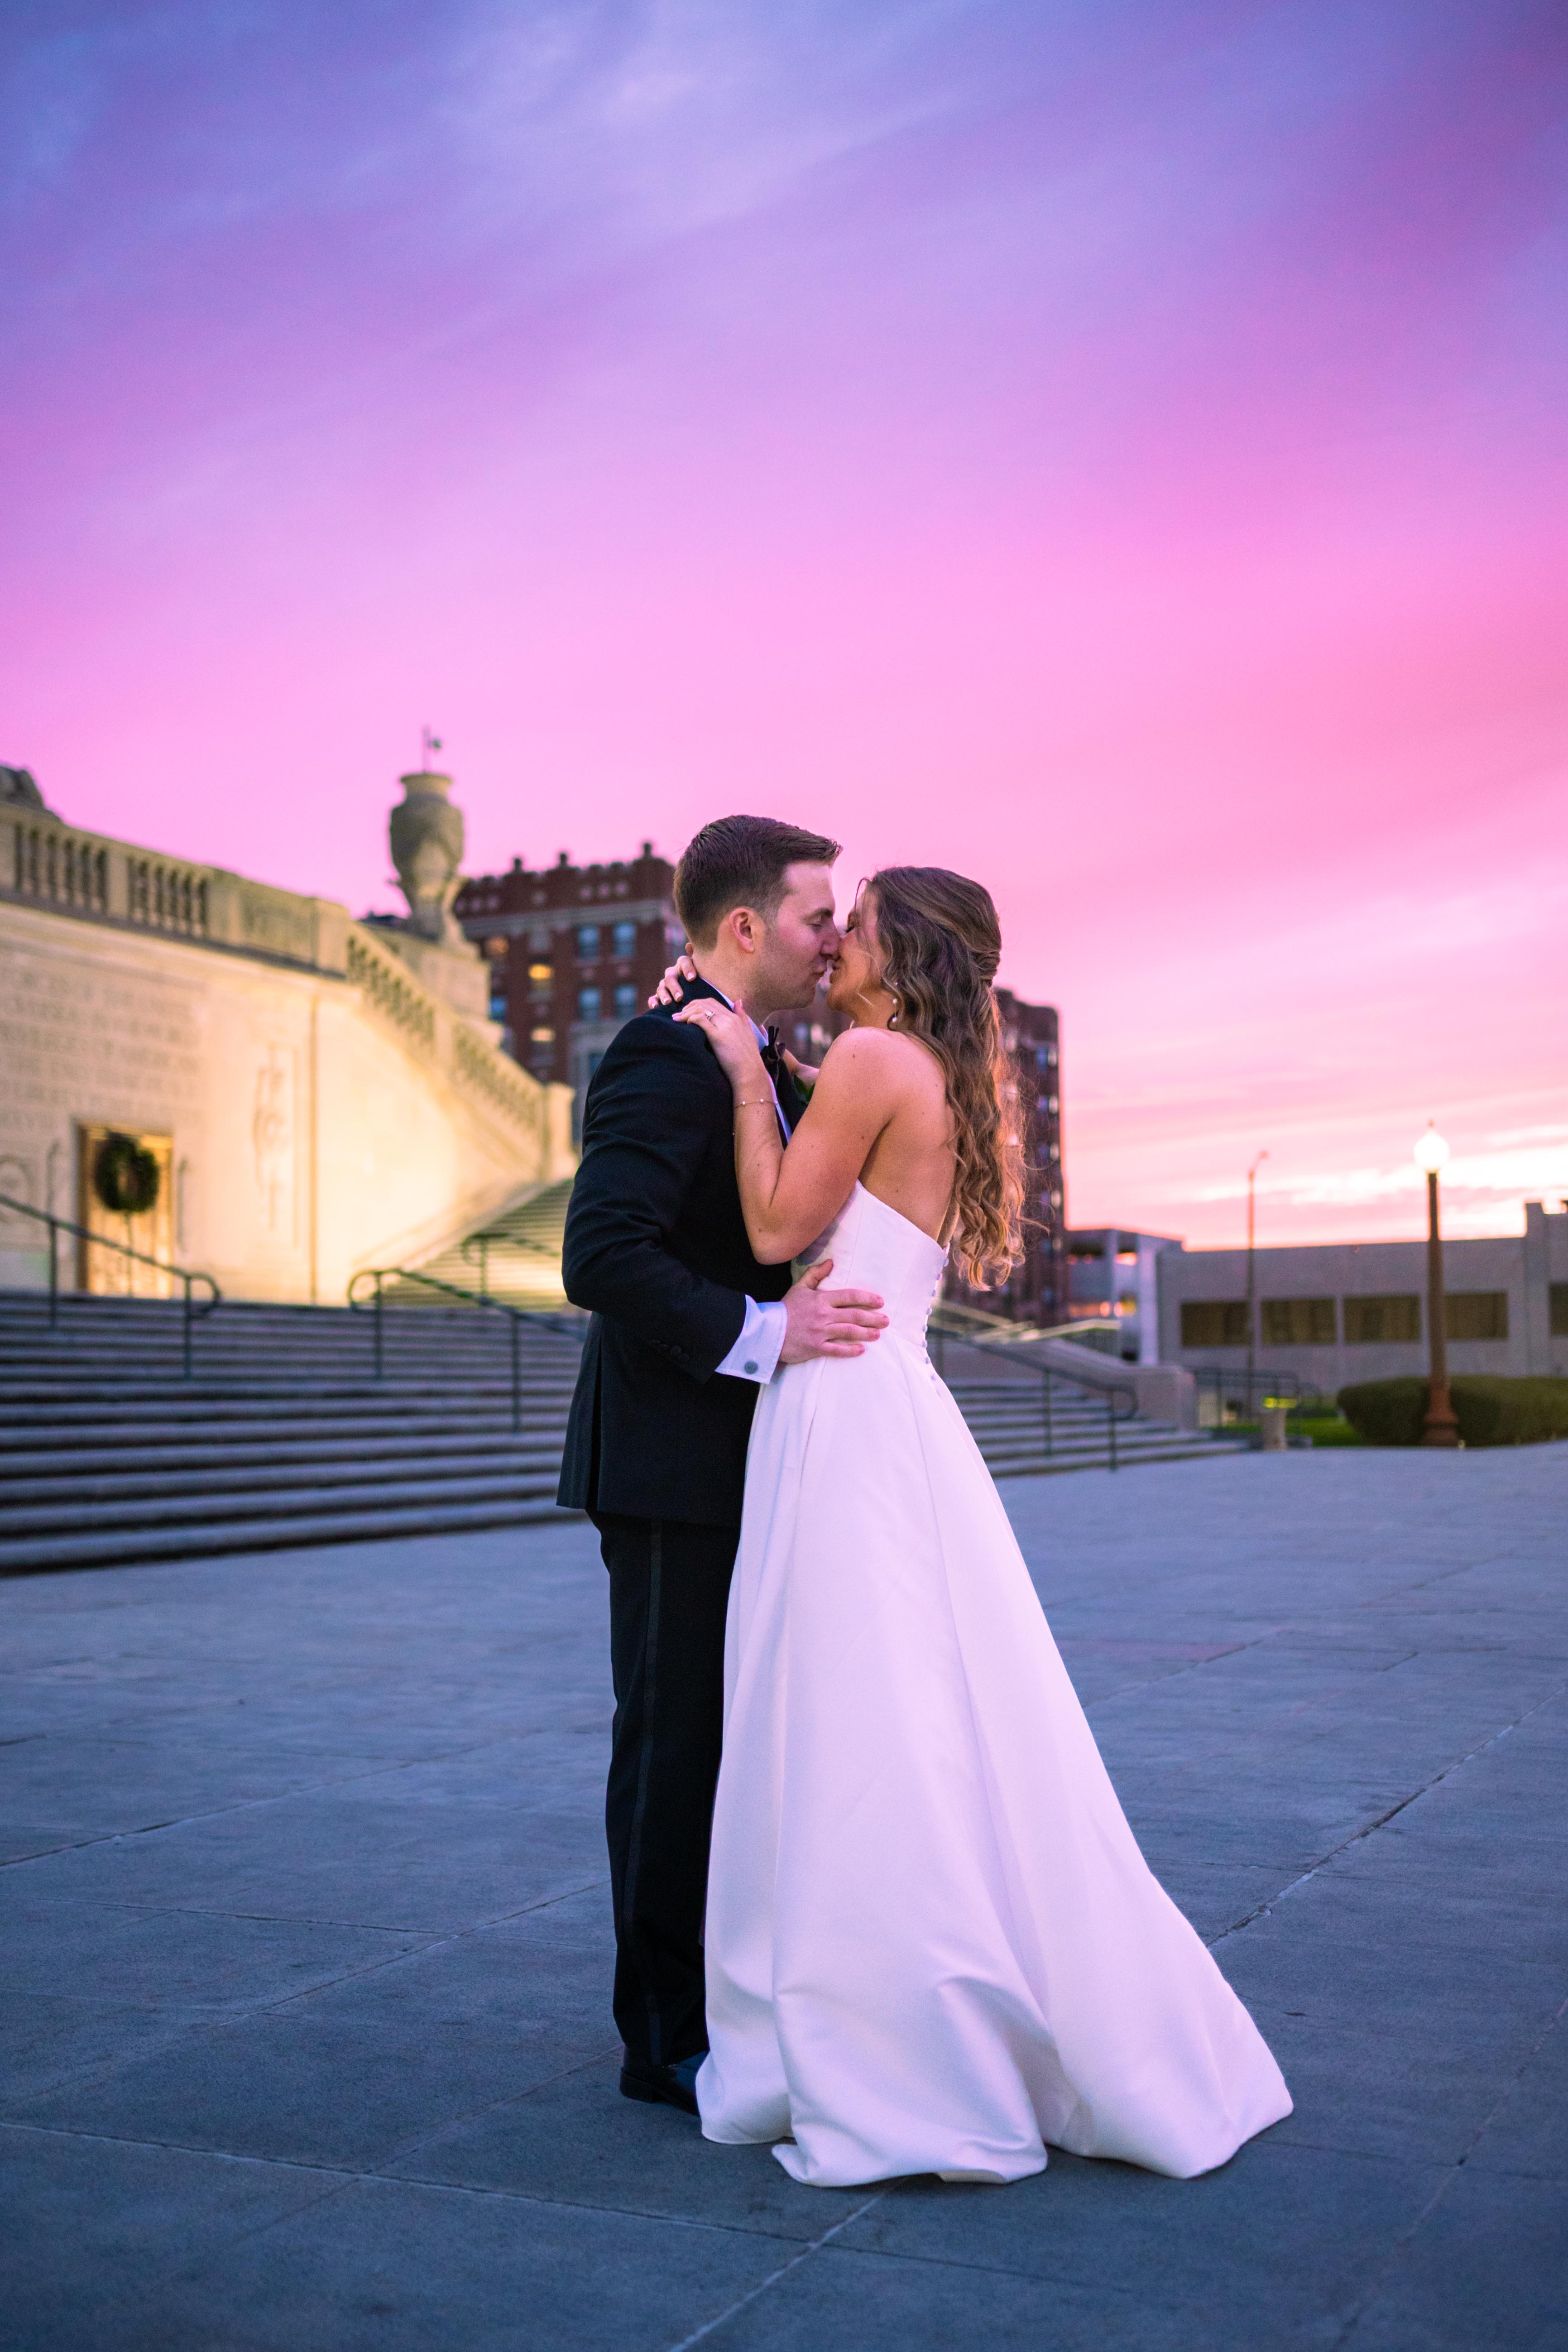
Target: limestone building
[{"x": 315, "y": 1094}]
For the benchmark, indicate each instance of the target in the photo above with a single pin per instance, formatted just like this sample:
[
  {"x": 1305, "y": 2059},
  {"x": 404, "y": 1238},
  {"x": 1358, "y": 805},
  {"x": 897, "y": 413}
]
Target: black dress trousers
[{"x": 670, "y": 1587}]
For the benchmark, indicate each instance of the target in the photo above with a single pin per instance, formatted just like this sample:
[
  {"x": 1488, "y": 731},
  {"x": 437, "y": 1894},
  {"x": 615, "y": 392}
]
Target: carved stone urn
[{"x": 426, "y": 837}]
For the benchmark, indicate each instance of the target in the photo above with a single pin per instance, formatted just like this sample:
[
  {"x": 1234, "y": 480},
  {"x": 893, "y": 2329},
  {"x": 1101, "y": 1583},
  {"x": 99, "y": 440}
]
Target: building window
[
  {"x": 587, "y": 1004},
  {"x": 1476, "y": 1314},
  {"x": 1559, "y": 1300},
  {"x": 1383, "y": 1322},
  {"x": 626, "y": 1001},
  {"x": 541, "y": 974},
  {"x": 588, "y": 943},
  {"x": 499, "y": 1006},
  {"x": 625, "y": 939},
  {"x": 1214, "y": 1323},
  {"x": 542, "y": 1037},
  {"x": 1298, "y": 1323}
]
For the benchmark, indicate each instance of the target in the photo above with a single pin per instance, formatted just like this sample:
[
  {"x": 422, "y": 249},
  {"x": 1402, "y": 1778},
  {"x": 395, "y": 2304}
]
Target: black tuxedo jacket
[{"x": 656, "y": 1246}]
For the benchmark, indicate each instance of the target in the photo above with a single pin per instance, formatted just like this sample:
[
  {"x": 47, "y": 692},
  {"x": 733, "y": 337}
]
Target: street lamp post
[
  {"x": 1251, "y": 1280},
  {"x": 1440, "y": 1427}
]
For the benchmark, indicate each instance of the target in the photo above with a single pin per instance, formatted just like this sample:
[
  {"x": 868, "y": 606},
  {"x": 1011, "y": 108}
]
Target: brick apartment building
[{"x": 573, "y": 951}]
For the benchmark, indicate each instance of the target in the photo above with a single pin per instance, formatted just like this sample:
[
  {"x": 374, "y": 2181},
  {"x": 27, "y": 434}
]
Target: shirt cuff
[{"x": 755, "y": 1354}]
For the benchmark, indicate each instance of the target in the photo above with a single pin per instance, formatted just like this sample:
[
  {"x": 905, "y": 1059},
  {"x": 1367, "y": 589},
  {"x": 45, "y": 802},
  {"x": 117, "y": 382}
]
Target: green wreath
[{"x": 125, "y": 1176}]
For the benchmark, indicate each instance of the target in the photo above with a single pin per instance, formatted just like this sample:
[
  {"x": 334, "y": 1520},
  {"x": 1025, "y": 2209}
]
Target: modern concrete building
[
  {"x": 1111, "y": 1278},
  {"x": 315, "y": 1095},
  {"x": 1349, "y": 1311}
]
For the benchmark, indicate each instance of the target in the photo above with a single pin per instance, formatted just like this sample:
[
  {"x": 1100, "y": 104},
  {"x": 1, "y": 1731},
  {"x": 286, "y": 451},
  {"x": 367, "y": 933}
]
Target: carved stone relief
[{"x": 272, "y": 1140}]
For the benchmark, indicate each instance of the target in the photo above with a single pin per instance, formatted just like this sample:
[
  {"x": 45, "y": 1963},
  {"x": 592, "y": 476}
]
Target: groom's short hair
[{"x": 740, "y": 861}]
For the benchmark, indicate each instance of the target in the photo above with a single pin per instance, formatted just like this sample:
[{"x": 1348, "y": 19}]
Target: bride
[{"x": 932, "y": 1942}]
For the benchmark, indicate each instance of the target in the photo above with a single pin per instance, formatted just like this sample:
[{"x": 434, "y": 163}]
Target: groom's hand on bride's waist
[{"x": 828, "y": 1322}]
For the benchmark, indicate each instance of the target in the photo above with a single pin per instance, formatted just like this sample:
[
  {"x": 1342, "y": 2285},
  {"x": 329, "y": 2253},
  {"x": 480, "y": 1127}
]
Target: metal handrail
[
  {"x": 59, "y": 1225},
  {"x": 484, "y": 1243},
  {"x": 517, "y": 1316},
  {"x": 1109, "y": 1389}
]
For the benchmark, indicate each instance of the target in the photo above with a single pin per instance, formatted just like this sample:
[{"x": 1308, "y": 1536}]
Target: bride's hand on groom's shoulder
[
  {"x": 732, "y": 1038},
  {"x": 676, "y": 976}
]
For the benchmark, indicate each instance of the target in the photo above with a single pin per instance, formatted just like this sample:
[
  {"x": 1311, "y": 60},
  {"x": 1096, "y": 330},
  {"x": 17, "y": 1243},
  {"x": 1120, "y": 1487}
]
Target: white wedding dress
[{"x": 931, "y": 1943}]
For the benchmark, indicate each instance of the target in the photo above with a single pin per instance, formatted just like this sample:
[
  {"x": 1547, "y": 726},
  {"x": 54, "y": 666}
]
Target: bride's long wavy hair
[{"x": 941, "y": 945}]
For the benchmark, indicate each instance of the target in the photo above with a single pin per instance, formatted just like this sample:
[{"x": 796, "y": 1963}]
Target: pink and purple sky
[{"x": 1116, "y": 447}]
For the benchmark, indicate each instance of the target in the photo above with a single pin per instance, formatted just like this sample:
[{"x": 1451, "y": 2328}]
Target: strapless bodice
[{"x": 874, "y": 1248}]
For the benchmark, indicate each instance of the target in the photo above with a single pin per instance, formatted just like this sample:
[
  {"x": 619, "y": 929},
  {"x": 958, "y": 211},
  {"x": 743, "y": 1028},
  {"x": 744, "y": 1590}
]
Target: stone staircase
[
  {"x": 285, "y": 1435},
  {"x": 514, "y": 1257},
  {"x": 1009, "y": 1421}
]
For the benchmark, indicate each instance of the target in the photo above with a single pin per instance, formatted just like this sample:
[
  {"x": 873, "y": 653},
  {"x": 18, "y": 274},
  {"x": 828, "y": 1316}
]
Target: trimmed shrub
[{"x": 1491, "y": 1409}]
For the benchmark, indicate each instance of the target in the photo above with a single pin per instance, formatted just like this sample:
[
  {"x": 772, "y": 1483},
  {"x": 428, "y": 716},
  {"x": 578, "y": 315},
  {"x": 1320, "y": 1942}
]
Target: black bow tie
[{"x": 774, "y": 1060}]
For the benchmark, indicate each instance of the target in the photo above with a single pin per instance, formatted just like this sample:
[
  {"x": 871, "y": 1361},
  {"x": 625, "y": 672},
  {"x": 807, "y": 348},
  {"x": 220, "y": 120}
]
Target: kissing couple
[{"x": 876, "y": 1903}]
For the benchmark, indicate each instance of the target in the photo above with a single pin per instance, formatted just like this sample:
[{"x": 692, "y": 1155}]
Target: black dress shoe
[{"x": 664, "y": 2086}]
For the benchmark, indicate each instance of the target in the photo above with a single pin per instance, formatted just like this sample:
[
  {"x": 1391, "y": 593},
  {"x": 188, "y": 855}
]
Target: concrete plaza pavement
[{"x": 306, "y": 1950}]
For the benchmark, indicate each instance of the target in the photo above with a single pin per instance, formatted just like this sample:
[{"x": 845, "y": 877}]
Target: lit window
[
  {"x": 588, "y": 943},
  {"x": 626, "y": 938},
  {"x": 542, "y": 1037},
  {"x": 541, "y": 972},
  {"x": 626, "y": 1001},
  {"x": 587, "y": 1004}
]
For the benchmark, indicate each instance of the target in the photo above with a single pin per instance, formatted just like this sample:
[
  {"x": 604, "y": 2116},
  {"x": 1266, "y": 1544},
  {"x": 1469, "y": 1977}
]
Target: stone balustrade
[{"x": 430, "y": 997}]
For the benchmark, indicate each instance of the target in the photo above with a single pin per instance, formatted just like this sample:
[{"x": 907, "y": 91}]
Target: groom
[{"x": 686, "y": 1327}]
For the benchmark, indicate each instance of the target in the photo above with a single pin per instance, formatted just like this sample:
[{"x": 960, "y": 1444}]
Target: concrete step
[
  {"x": 37, "y": 1502},
  {"x": 114, "y": 1547},
  {"x": 153, "y": 1457},
  {"x": 287, "y": 1500}
]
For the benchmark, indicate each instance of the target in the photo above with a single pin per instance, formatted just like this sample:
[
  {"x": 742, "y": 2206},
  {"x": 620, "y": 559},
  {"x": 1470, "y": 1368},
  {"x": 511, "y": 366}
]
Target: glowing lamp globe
[{"x": 1431, "y": 1153}]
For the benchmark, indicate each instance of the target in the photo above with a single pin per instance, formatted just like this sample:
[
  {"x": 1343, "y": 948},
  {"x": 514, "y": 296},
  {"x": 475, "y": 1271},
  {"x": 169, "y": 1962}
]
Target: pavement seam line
[
  {"x": 344, "y": 2177},
  {"x": 95, "y": 2069},
  {"x": 773, "y": 2277},
  {"x": 1371, "y": 1828}
]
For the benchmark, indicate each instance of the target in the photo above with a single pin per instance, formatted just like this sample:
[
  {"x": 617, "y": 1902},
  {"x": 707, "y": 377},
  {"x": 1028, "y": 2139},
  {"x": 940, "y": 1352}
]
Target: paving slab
[{"x": 306, "y": 2038}]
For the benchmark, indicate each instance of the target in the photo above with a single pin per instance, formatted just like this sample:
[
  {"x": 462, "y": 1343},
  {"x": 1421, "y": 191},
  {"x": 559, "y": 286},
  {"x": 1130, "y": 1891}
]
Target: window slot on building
[
  {"x": 588, "y": 943},
  {"x": 1298, "y": 1323},
  {"x": 541, "y": 974},
  {"x": 1558, "y": 1295},
  {"x": 1389, "y": 1322},
  {"x": 1214, "y": 1323},
  {"x": 625, "y": 1000},
  {"x": 625, "y": 939},
  {"x": 1476, "y": 1314},
  {"x": 587, "y": 1004}
]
